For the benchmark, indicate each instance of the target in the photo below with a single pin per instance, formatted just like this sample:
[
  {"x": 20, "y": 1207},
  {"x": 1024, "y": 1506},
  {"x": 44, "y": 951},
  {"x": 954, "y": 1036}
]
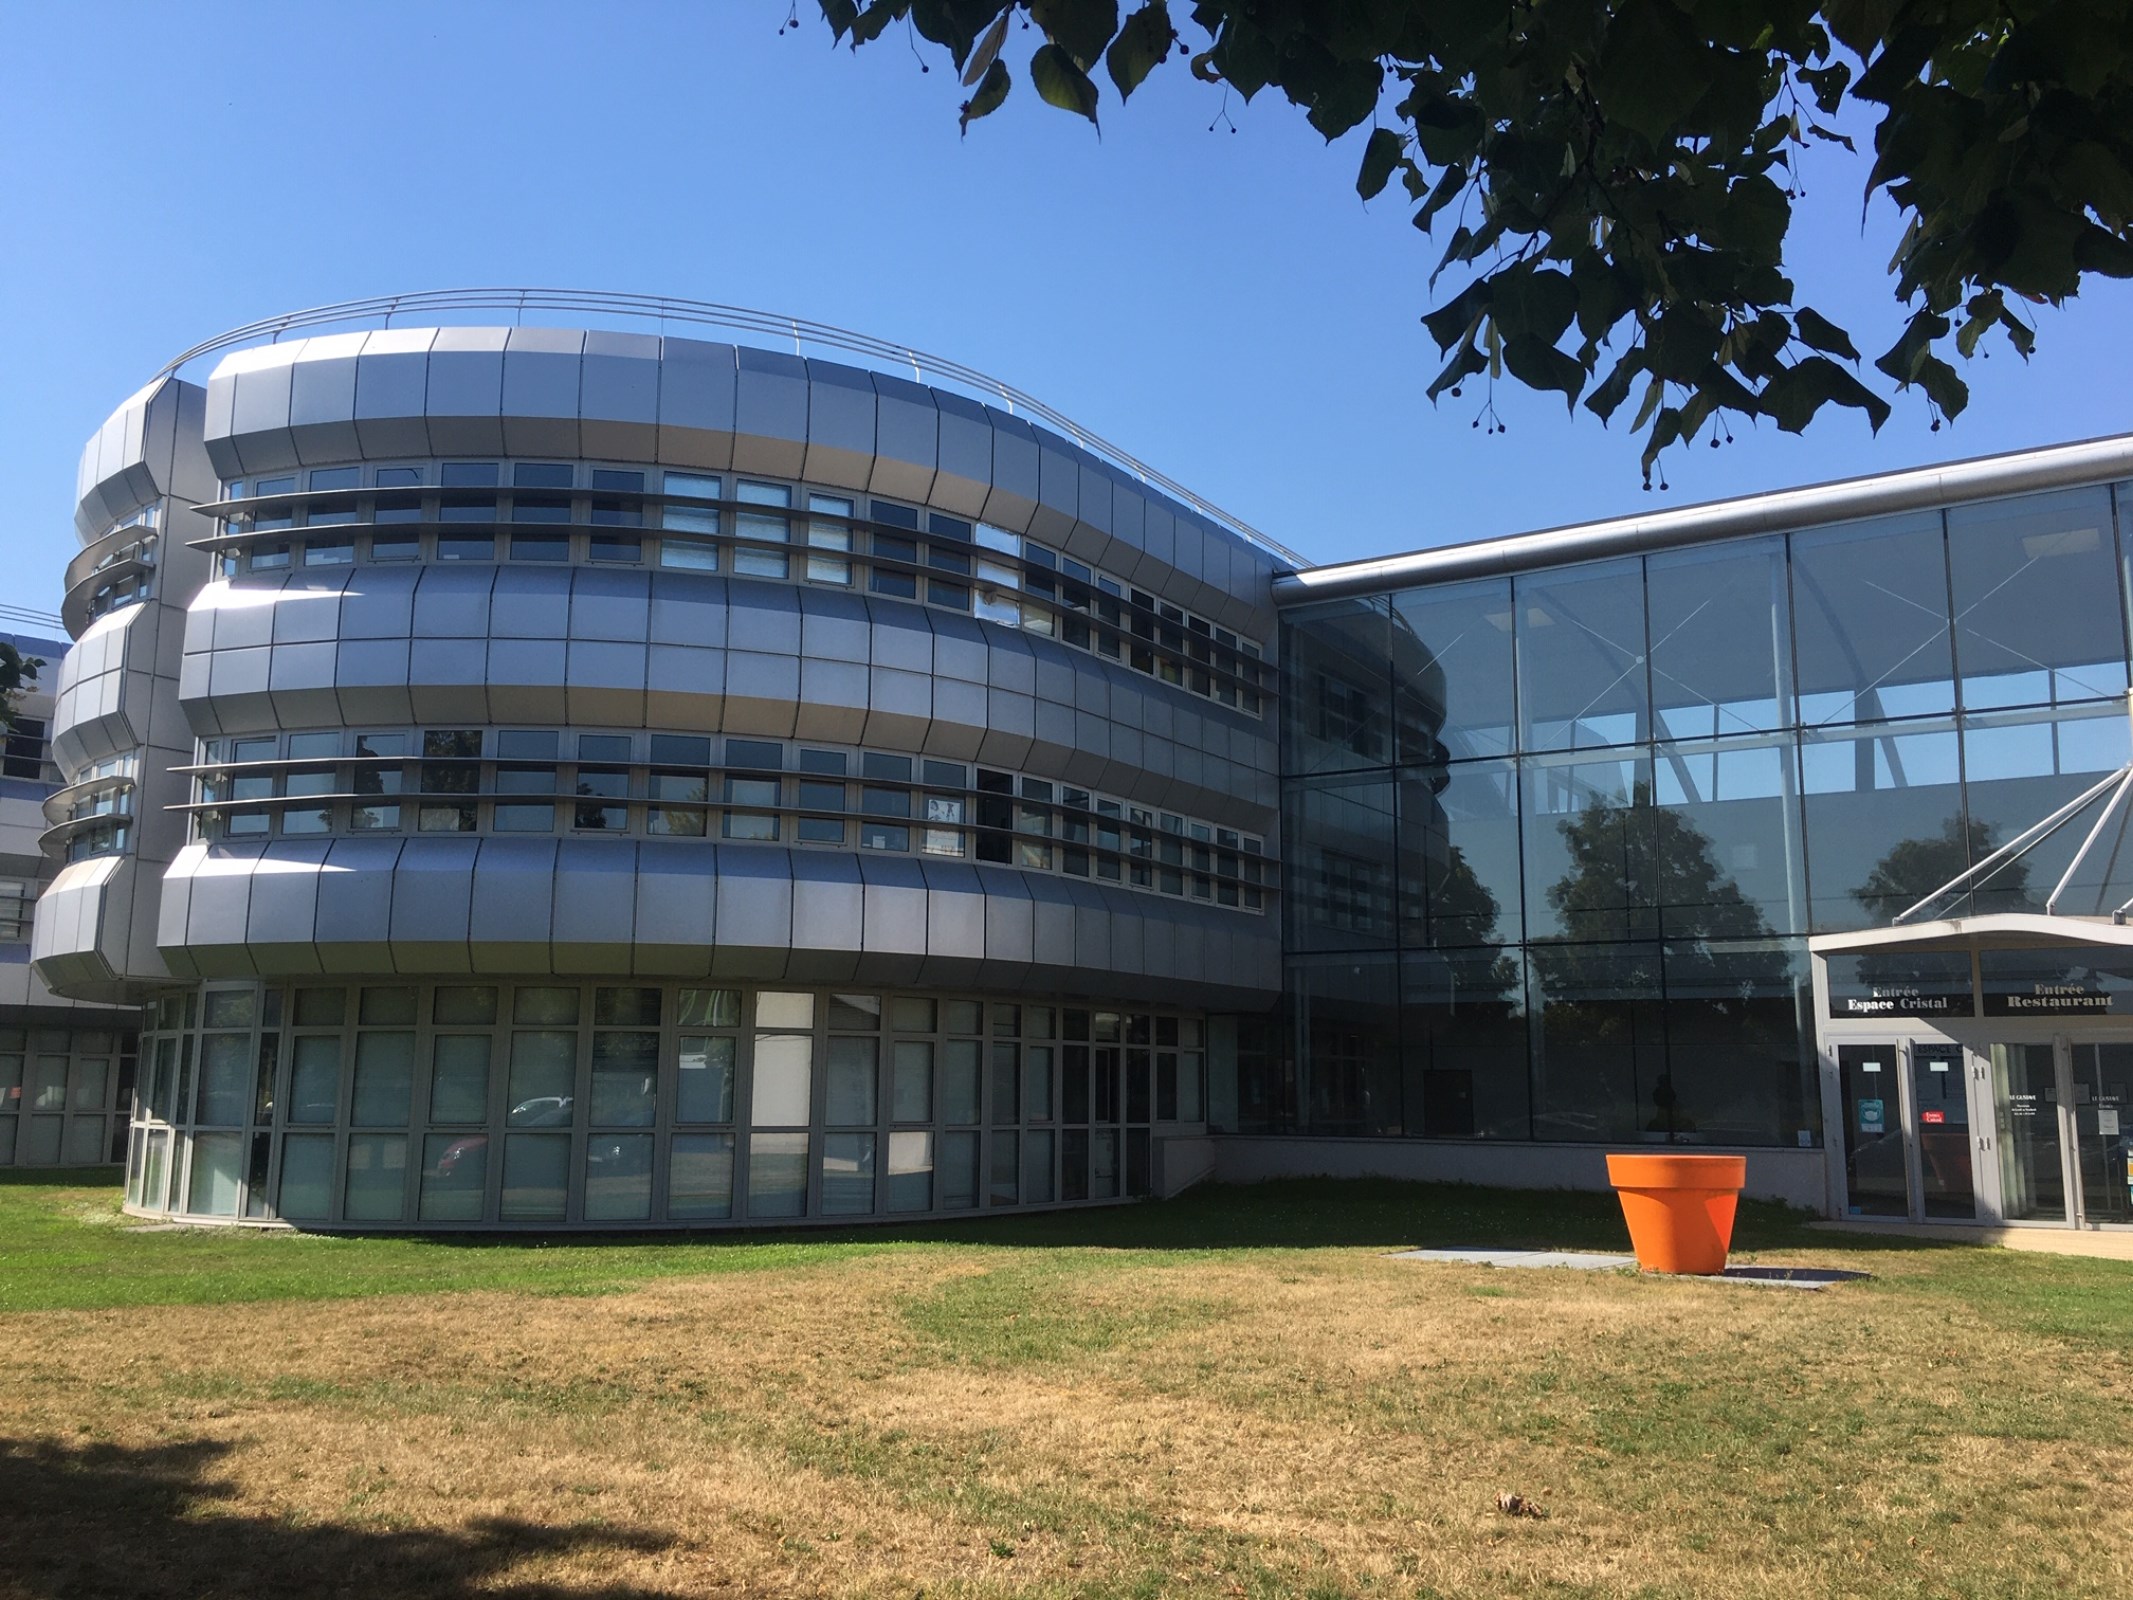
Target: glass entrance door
[
  {"x": 1873, "y": 1131},
  {"x": 2025, "y": 1096},
  {"x": 2103, "y": 1137},
  {"x": 1940, "y": 1109}
]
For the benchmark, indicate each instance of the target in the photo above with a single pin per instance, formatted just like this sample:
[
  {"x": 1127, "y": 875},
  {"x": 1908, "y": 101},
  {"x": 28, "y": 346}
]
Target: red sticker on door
[{"x": 1932, "y": 1116}]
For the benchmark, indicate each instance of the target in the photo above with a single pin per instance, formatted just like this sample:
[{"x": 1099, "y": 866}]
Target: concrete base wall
[
  {"x": 1793, "y": 1176},
  {"x": 1182, "y": 1162}
]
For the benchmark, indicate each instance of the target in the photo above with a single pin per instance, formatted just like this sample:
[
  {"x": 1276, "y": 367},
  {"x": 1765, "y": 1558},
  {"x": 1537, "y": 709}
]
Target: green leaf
[
  {"x": 840, "y": 15},
  {"x": 1607, "y": 397},
  {"x": 1079, "y": 27},
  {"x": 1654, "y": 392},
  {"x": 1653, "y": 70},
  {"x": 983, "y": 57},
  {"x": 991, "y": 91},
  {"x": 1061, "y": 82},
  {"x": 1380, "y": 156},
  {"x": 1939, "y": 380},
  {"x": 1141, "y": 43},
  {"x": 1819, "y": 333},
  {"x": 1539, "y": 365},
  {"x": 1792, "y": 398}
]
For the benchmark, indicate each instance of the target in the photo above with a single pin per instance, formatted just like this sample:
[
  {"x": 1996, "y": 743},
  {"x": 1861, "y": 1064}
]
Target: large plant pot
[{"x": 1679, "y": 1208}]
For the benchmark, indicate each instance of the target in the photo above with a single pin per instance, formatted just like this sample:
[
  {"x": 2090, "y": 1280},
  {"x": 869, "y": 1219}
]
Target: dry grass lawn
[{"x": 953, "y": 1416}]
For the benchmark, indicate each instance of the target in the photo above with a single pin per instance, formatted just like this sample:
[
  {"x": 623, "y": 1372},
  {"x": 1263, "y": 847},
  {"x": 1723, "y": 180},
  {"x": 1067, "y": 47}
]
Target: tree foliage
[
  {"x": 1613, "y": 180},
  {"x": 16, "y": 669}
]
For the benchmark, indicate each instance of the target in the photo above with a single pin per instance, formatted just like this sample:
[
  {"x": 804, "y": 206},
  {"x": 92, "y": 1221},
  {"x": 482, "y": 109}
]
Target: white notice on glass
[{"x": 2107, "y": 1121}]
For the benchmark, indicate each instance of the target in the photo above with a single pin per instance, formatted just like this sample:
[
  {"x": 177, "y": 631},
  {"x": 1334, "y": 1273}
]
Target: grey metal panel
[
  {"x": 1058, "y": 668},
  {"x": 895, "y": 936},
  {"x": 372, "y": 675},
  {"x": 354, "y": 929},
  {"x": 237, "y": 681},
  {"x": 448, "y": 681},
  {"x": 1010, "y": 727},
  {"x": 1159, "y": 544},
  {"x": 392, "y": 380},
  {"x": 1058, "y": 489},
  {"x": 379, "y": 602},
  {"x": 309, "y": 607},
  {"x": 902, "y": 637},
  {"x": 465, "y": 399},
  {"x": 1010, "y": 927},
  {"x": 1129, "y": 525},
  {"x": 959, "y": 713},
  {"x": 696, "y": 397},
  {"x": 242, "y": 610},
  {"x": 541, "y": 371},
  {"x": 259, "y": 413},
  {"x": 1053, "y": 746},
  {"x": 840, "y": 425},
  {"x": 1129, "y": 928},
  {"x": 513, "y": 902},
  {"x": 1090, "y": 538},
  {"x": 828, "y": 908},
  {"x": 677, "y": 893},
  {"x": 1053, "y": 908},
  {"x": 907, "y": 434},
  {"x": 1091, "y": 763},
  {"x": 684, "y": 688},
  {"x": 609, "y": 604},
  {"x": 688, "y": 608},
  {"x": 302, "y": 686},
  {"x": 433, "y": 894},
  {"x": 1011, "y": 501},
  {"x": 92, "y": 512},
  {"x": 899, "y": 709},
  {"x": 762, "y": 693},
  {"x": 1092, "y": 933},
  {"x": 453, "y": 601},
  {"x": 754, "y": 911},
  {"x": 834, "y": 626},
  {"x": 604, "y": 683},
  {"x": 833, "y": 701},
  {"x": 530, "y": 603},
  {"x": 763, "y": 617},
  {"x": 221, "y": 903},
  {"x": 58, "y": 925},
  {"x": 322, "y": 388},
  {"x": 618, "y": 402},
  {"x": 964, "y": 478},
  {"x": 1008, "y": 662},
  {"x": 769, "y": 413},
  {"x": 595, "y": 905},
  {"x": 526, "y": 680},
  {"x": 955, "y": 924}
]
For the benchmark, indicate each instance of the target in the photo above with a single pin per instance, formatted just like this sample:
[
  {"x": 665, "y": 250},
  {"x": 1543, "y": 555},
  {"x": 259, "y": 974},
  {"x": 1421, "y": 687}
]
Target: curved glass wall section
[
  {"x": 550, "y": 1104},
  {"x": 1555, "y": 841}
]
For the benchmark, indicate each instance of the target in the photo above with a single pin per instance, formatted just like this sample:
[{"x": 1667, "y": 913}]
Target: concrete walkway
[
  {"x": 2112, "y": 1245},
  {"x": 1782, "y": 1277}
]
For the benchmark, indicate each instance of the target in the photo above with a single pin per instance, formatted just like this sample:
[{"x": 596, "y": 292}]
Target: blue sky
[{"x": 1218, "y": 303}]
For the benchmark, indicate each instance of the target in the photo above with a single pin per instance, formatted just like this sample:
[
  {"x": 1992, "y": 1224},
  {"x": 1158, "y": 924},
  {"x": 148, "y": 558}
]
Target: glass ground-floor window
[{"x": 554, "y": 1103}]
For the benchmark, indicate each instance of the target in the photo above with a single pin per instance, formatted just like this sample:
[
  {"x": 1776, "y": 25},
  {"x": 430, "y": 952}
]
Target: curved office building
[
  {"x": 596, "y": 778},
  {"x": 535, "y": 778}
]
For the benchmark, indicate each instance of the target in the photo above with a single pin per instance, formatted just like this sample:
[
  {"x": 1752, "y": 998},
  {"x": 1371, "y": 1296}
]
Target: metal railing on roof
[
  {"x": 23, "y": 617},
  {"x": 382, "y": 311}
]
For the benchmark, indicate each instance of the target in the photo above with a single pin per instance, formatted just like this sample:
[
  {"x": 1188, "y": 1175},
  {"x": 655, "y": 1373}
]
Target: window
[
  {"x": 766, "y": 527},
  {"x": 829, "y": 529}
]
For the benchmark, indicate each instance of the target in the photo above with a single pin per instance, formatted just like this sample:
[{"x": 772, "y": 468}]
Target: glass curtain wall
[{"x": 1554, "y": 842}]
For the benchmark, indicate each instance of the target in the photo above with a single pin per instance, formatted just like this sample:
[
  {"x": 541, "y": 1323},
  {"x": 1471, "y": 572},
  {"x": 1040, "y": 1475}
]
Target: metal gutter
[{"x": 1921, "y": 488}]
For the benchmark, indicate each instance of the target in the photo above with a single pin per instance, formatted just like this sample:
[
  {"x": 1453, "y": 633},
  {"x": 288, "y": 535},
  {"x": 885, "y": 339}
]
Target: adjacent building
[{"x": 536, "y": 778}]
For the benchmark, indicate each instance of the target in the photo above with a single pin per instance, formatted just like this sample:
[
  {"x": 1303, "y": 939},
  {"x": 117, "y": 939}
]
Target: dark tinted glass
[
  {"x": 1451, "y": 670},
  {"x": 2037, "y": 615},
  {"x": 1885, "y": 824},
  {"x": 1463, "y": 1044},
  {"x": 1581, "y": 677},
  {"x": 1339, "y": 845},
  {"x": 1721, "y": 640},
  {"x": 541, "y": 475},
  {"x": 1870, "y": 613},
  {"x": 468, "y": 475},
  {"x": 2016, "y": 774},
  {"x": 681, "y": 750},
  {"x": 1725, "y": 839},
  {"x": 1590, "y": 844},
  {"x": 1336, "y": 687},
  {"x": 1459, "y": 871}
]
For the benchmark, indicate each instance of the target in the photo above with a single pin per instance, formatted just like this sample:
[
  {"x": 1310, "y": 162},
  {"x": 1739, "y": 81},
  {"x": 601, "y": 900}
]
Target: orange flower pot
[{"x": 1679, "y": 1208}]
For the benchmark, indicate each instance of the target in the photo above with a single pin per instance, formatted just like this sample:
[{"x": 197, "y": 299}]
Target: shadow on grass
[
  {"x": 1285, "y": 1214},
  {"x": 107, "y": 1519}
]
